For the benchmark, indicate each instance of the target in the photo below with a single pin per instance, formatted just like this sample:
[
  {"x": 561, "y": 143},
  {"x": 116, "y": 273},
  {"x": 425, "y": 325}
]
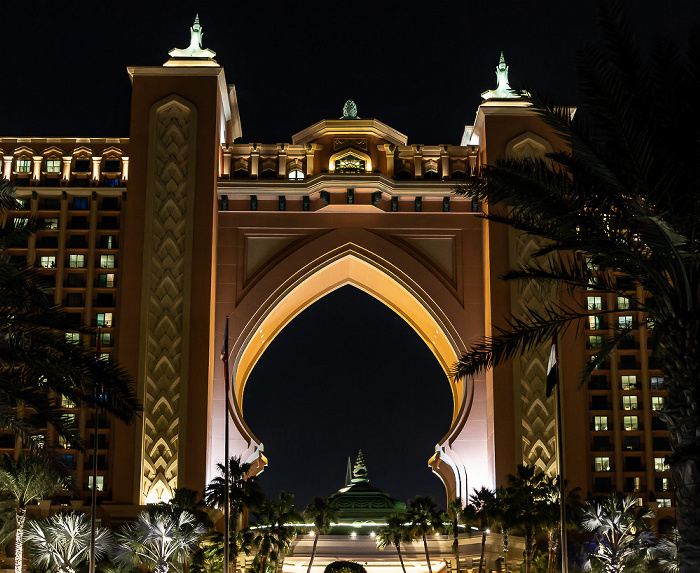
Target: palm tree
[
  {"x": 482, "y": 508},
  {"x": 63, "y": 541},
  {"x": 8, "y": 525},
  {"x": 424, "y": 517},
  {"x": 275, "y": 530},
  {"x": 210, "y": 556},
  {"x": 37, "y": 364},
  {"x": 620, "y": 530},
  {"x": 244, "y": 493},
  {"x": 394, "y": 533},
  {"x": 321, "y": 513},
  {"x": 159, "y": 539},
  {"x": 625, "y": 199},
  {"x": 26, "y": 479}
]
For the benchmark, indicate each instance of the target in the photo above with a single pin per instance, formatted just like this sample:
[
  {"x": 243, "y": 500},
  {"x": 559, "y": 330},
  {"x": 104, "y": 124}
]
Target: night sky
[{"x": 347, "y": 373}]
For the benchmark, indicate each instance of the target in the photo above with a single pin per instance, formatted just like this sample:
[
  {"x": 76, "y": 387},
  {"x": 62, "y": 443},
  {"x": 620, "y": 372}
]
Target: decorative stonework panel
[
  {"x": 165, "y": 265},
  {"x": 537, "y": 411}
]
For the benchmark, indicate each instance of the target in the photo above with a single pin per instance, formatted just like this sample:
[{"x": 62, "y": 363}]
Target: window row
[
  {"x": 54, "y": 165},
  {"x": 597, "y": 303},
  {"x": 78, "y": 261}
]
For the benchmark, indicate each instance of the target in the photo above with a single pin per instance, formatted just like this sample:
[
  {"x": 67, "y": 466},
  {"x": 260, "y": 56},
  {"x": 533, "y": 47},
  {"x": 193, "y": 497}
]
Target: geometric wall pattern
[{"x": 166, "y": 287}]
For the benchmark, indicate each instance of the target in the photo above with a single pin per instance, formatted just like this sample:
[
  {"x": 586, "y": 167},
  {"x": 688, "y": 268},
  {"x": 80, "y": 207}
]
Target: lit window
[
  {"x": 108, "y": 242},
  {"x": 602, "y": 464},
  {"x": 629, "y": 403},
  {"x": 663, "y": 501},
  {"x": 637, "y": 481},
  {"x": 80, "y": 203},
  {"x": 63, "y": 443},
  {"x": 72, "y": 337},
  {"x": 68, "y": 419},
  {"x": 20, "y": 222},
  {"x": 665, "y": 484},
  {"x": 595, "y": 322},
  {"x": 624, "y": 321},
  {"x": 104, "y": 356},
  {"x": 23, "y": 204},
  {"x": 53, "y": 165},
  {"x": 106, "y": 339},
  {"x": 24, "y": 165},
  {"x": 658, "y": 402},
  {"x": 629, "y": 382},
  {"x": 51, "y": 224},
  {"x": 100, "y": 483},
  {"x": 296, "y": 174},
  {"x": 594, "y": 303},
  {"x": 630, "y": 423},
  {"x": 349, "y": 164},
  {"x": 660, "y": 465},
  {"x": 104, "y": 319},
  {"x": 76, "y": 261},
  {"x": 67, "y": 402},
  {"x": 656, "y": 382},
  {"x": 106, "y": 261},
  {"x": 623, "y": 303},
  {"x": 48, "y": 262},
  {"x": 105, "y": 280},
  {"x": 600, "y": 423},
  {"x": 595, "y": 341},
  {"x": 591, "y": 265}
]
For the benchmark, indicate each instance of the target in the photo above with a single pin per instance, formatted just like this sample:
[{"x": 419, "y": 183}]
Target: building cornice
[{"x": 347, "y": 127}]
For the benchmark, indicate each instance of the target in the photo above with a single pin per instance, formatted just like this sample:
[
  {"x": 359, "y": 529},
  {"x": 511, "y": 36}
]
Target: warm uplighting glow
[
  {"x": 372, "y": 534},
  {"x": 312, "y": 534},
  {"x": 488, "y": 531},
  {"x": 353, "y": 534}
]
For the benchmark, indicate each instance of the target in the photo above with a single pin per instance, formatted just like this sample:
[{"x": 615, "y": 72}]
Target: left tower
[{"x": 181, "y": 114}]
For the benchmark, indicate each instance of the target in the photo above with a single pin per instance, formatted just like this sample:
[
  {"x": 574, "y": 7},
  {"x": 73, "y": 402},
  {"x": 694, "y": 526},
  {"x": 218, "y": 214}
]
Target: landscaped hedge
[{"x": 344, "y": 567}]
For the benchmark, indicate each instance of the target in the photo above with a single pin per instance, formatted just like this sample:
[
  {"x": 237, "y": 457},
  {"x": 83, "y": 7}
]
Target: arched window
[
  {"x": 296, "y": 174},
  {"x": 349, "y": 164},
  {"x": 53, "y": 164},
  {"x": 240, "y": 169},
  {"x": 430, "y": 170},
  {"x": 24, "y": 164}
]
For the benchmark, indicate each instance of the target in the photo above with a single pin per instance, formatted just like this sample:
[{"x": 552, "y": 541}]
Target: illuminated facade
[{"x": 158, "y": 237}]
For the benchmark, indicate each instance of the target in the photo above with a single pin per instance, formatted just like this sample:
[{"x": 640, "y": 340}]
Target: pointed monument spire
[
  {"x": 194, "y": 50},
  {"x": 348, "y": 474}
]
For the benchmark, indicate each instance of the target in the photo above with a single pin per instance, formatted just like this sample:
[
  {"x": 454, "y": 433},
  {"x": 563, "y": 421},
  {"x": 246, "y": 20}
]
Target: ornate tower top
[
  {"x": 194, "y": 50},
  {"x": 503, "y": 89},
  {"x": 359, "y": 472},
  {"x": 350, "y": 112}
]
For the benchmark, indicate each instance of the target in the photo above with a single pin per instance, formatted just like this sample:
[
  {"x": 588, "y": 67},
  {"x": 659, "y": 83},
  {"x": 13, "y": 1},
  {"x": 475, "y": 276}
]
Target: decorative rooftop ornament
[
  {"x": 503, "y": 89},
  {"x": 349, "y": 110},
  {"x": 359, "y": 472},
  {"x": 194, "y": 50}
]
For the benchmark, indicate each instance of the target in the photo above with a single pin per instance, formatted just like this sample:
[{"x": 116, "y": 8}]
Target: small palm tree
[
  {"x": 482, "y": 508},
  {"x": 321, "y": 513},
  {"x": 395, "y": 532},
  {"x": 26, "y": 479},
  {"x": 620, "y": 530},
  {"x": 275, "y": 533},
  {"x": 63, "y": 541},
  {"x": 425, "y": 518},
  {"x": 159, "y": 540},
  {"x": 244, "y": 493}
]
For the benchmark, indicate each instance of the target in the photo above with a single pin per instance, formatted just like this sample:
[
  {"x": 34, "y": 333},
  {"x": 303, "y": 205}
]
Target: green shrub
[{"x": 344, "y": 567}]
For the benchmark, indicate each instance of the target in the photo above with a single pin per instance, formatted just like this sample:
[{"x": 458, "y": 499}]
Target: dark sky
[
  {"x": 417, "y": 66},
  {"x": 347, "y": 373}
]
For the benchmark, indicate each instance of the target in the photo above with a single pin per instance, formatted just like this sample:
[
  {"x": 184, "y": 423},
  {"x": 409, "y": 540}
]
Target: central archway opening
[{"x": 348, "y": 373}]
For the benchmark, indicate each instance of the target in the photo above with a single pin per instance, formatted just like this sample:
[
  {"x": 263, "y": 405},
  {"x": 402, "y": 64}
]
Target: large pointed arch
[{"x": 351, "y": 265}]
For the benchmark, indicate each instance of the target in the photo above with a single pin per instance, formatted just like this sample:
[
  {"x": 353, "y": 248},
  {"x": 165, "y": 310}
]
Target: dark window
[
  {"x": 599, "y": 402},
  {"x": 52, "y": 204},
  {"x": 661, "y": 445},
  {"x": 601, "y": 444},
  {"x": 18, "y": 260},
  {"x": 633, "y": 464},
  {"x": 82, "y": 165},
  {"x": 657, "y": 424},
  {"x": 111, "y": 182},
  {"x": 74, "y": 299},
  {"x": 76, "y": 280},
  {"x": 110, "y": 203},
  {"x": 47, "y": 243},
  {"x": 241, "y": 174},
  {"x": 598, "y": 382},
  {"x": 80, "y": 203},
  {"x": 101, "y": 442},
  {"x": 431, "y": 175},
  {"x": 628, "y": 362},
  {"x": 632, "y": 443},
  {"x": 603, "y": 485},
  {"x": 78, "y": 222},
  {"x": 459, "y": 175},
  {"x": 402, "y": 175},
  {"x": 268, "y": 174},
  {"x": 7, "y": 441},
  {"x": 110, "y": 223},
  {"x": 77, "y": 242},
  {"x": 104, "y": 299},
  {"x": 113, "y": 165}
]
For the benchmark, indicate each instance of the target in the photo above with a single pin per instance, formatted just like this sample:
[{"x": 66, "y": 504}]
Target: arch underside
[{"x": 350, "y": 266}]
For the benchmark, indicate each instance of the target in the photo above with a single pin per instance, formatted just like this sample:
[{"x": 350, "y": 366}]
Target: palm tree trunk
[
  {"x": 505, "y": 549},
  {"x": 233, "y": 552},
  {"x": 553, "y": 545},
  {"x": 263, "y": 563},
  {"x": 529, "y": 550},
  {"x": 19, "y": 538},
  {"x": 483, "y": 550},
  {"x": 161, "y": 567},
  {"x": 313, "y": 552},
  {"x": 398, "y": 550},
  {"x": 427, "y": 555}
]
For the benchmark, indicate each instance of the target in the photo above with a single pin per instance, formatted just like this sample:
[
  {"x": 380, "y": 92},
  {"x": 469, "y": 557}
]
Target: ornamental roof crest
[{"x": 194, "y": 50}]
